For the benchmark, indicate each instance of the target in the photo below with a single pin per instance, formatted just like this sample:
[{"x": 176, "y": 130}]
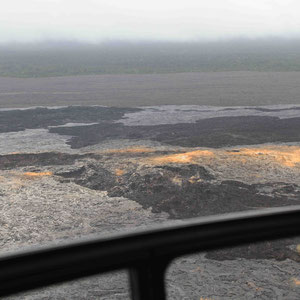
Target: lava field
[{"x": 74, "y": 171}]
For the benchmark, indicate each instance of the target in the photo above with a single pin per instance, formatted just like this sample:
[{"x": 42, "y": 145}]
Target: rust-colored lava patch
[
  {"x": 131, "y": 150},
  {"x": 296, "y": 281},
  {"x": 182, "y": 158},
  {"x": 253, "y": 285},
  {"x": 36, "y": 174},
  {"x": 119, "y": 172},
  {"x": 288, "y": 156}
]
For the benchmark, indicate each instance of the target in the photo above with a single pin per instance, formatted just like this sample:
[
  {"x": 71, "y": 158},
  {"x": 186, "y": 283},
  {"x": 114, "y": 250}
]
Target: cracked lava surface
[{"x": 59, "y": 183}]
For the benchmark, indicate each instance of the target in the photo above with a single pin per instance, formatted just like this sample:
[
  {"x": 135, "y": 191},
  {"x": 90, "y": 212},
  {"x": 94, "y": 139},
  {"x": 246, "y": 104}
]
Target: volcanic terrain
[{"x": 68, "y": 172}]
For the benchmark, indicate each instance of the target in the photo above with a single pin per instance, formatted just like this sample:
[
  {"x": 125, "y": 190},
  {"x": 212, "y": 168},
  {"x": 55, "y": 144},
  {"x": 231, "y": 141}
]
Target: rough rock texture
[
  {"x": 52, "y": 193},
  {"x": 184, "y": 191},
  {"x": 30, "y": 203}
]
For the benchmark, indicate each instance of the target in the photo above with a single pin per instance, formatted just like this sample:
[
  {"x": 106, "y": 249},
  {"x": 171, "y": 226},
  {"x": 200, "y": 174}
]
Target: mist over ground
[
  {"x": 60, "y": 58},
  {"x": 168, "y": 20}
]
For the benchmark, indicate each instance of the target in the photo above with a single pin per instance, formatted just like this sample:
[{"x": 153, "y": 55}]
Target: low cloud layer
[{"x": 94, "y": 21}]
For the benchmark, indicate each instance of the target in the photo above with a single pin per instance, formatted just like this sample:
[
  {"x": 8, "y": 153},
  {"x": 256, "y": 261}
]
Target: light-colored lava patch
[
  {"x": 43, "y": 210},
  {"x": 33, "y": 140}
]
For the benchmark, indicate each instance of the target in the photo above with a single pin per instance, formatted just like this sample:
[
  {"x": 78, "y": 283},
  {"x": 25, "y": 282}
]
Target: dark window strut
[{"x": 145, "y": 253}]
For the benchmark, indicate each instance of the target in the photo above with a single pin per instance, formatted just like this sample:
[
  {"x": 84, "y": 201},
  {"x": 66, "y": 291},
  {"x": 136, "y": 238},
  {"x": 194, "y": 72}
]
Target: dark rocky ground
[
  {"x": 93, "y": 184},
  {"x": 18, "y": 120},
  {"x": 206, "y": 132},
  {"x": 213, "y": 132},
  {"x": 195, "y": 192}
]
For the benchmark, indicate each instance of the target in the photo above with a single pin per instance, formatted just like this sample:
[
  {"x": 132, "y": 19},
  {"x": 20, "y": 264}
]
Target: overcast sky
[{"x": 97, "y": 20}]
